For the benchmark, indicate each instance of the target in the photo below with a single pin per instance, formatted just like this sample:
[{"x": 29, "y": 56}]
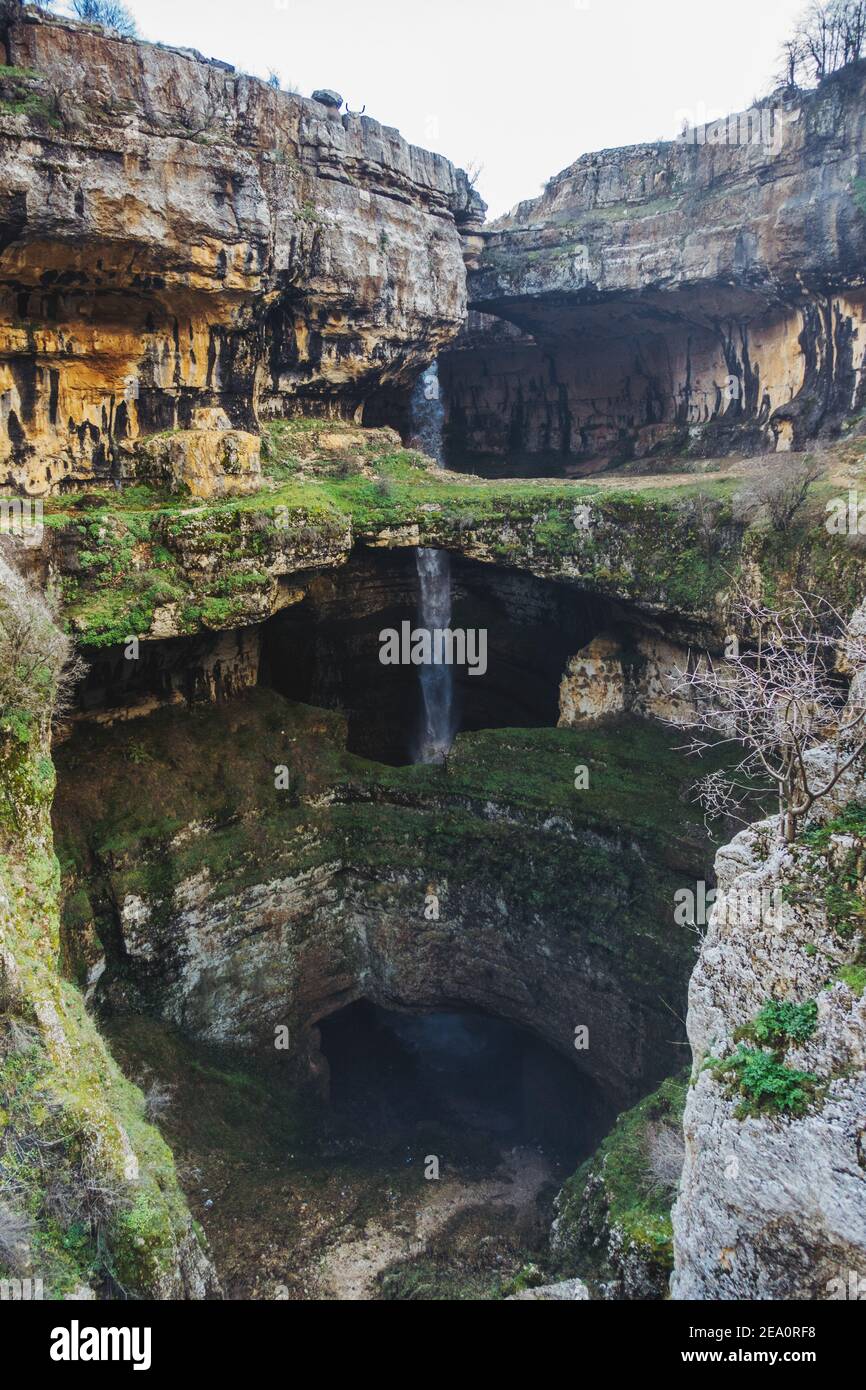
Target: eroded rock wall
[
  {"x": 233, "y": 899},
  {"x": 182, "y": 246},
  {"x": 773, "y": 1199},
  {"x": 87, "y": 1183},
  {"x": 704, "y": 294}
]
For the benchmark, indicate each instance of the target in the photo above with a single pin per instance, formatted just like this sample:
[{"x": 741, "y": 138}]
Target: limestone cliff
[
  {"x": 183, "y": 246},
  {"x": 702, "y": 294},
  {"x": 89, "y": 1198},
  {"x": 773, "y": 1197},
  {"x": 230, "y": 905}
]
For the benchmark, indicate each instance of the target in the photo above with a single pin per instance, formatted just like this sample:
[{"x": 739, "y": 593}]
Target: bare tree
[
  {"x": 781, "y": 495},
  {"x": 827, "y": 37},
  {"x": 665, "y": 1153},
  {"x": 111, "y": 14},
  {"x": 704, "y": 510},
  {"x": 474, "y": 170},
  {"x": 777, "y": 701}
]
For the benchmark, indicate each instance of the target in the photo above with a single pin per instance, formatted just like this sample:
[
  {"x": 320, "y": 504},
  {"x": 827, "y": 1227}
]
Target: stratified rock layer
[
  {"x": 705, "y": 293},
  {"x": 264, "y": 877},
  {"x": 177, "y": 237}
]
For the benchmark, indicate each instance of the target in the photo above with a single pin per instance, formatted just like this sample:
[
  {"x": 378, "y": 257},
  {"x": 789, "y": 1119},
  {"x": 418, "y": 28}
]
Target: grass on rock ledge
[{"x": 126, "y": 558}]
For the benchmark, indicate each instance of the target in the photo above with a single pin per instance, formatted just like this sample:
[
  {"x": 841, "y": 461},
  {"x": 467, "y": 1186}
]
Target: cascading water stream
[
  {"x": 427, "y": 415},
  {"x": 437, "y": 679},
  {"x": 427, "y": 418}
]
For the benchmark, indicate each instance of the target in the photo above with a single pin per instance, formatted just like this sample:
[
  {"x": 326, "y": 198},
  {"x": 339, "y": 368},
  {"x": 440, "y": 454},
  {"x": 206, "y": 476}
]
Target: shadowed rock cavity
[
  {"x": 390, "y": 1071},
  {"x": 325, "y": 650}
]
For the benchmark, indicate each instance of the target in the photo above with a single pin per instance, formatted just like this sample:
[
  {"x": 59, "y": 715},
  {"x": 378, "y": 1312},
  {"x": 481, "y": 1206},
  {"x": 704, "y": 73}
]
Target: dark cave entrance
[
  {"x": 325, "y": 650},
  {"x": 473, "y": 1084}
]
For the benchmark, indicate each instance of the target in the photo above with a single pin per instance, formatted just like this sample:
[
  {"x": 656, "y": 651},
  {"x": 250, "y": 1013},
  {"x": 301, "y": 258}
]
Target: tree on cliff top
[
  {"x": 111, "y": 14},
  {"x": 828, "y": 36},
  {"x": 779, "y": 702}
]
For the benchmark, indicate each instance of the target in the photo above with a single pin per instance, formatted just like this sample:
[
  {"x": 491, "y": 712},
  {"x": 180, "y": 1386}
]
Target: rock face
[
  {"x": 773, "y": 1201},
  {"x": 177, "y": 236},
  {"x": 230, "y": 905},
  {"x": 91, "y": 1184},
  {"x": 636, "y": 673},
  {"x": 704, "y": 294},
  {"x": 204, "y": 463},
  {"x": 568, "y": 1290}
]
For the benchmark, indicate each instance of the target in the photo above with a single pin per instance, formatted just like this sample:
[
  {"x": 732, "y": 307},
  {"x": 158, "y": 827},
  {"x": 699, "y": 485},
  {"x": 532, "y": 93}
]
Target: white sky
[{"x": 520, "y": 86}]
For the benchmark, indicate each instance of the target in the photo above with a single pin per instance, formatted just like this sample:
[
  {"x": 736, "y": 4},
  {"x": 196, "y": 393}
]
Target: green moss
[
  {"x": 831, "y": 877},
  {"x": 142, "y": 1243},
  {"x": 330, "y": 484},
  {"x": 858, "y": 193},
  {"x": 618, "y": 1188},
  {"x": 214, "y": 766},
  {"x": 854, "y": 976},
  {"x": 72, "y": 1123}
]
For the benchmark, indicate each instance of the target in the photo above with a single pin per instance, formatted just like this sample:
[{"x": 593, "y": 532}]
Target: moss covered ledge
[
  {"x": 143, "y": 563},
  {"x": 613, "y": 1225}
]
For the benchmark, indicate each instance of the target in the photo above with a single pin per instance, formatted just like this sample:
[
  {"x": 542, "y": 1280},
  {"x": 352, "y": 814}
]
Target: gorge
[{"x": 323, "y": 977}]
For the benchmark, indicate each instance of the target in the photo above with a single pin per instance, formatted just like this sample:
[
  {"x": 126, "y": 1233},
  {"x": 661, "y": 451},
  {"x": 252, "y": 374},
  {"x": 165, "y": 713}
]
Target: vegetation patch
[
  {"x": 765, "y": 1084},
  {"x": 780, "y": 1023},
  {"x": 617, "y": 1206}
]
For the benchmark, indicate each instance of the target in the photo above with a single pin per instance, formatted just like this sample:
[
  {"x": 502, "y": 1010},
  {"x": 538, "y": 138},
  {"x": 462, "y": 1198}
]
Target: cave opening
[
  {"x": 325, "y": 651},
  {"x": 460, "y": 1079}
]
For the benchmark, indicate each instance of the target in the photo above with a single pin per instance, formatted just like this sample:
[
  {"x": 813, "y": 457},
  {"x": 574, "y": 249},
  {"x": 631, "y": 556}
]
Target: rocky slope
[
  {"x": 182, "y": 246},
  {"x": 701, "y": 294},
  {"x": 89, "y": 1199}
]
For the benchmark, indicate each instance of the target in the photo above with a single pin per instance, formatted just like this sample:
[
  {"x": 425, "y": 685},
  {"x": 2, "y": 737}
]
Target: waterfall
[
  {"x": 427, "y": 419},
  {"x": 427, "y": 415},
  {"x": 437, "y": 679}
]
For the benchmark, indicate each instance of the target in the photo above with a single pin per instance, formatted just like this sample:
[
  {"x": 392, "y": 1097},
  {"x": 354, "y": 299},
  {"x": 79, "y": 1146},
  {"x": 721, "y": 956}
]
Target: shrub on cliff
[
  {"x": 35, "y": 657},
  {"x": 111, "y": 14},
  {"x": 37, "y": 670}
]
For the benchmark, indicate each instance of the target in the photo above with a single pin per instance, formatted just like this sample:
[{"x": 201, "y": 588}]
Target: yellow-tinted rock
[{"x": 206, "y": 463}]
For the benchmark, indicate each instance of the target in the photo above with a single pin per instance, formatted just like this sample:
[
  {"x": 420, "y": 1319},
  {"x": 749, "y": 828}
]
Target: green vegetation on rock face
[
  {"x": 614, "y": 1214},
  {"x": 758, "y": 1076},
  {"x": 831, "y": 879},
  {"x": 604, "y": 861},
  {"x": 780, "y": 1022},
  {"x": 89, "y": 1185},
  {"x": 94, "y": 1181},
  {"x": 766, "y": 1084},
  {"x": 135, "y": 560}
]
